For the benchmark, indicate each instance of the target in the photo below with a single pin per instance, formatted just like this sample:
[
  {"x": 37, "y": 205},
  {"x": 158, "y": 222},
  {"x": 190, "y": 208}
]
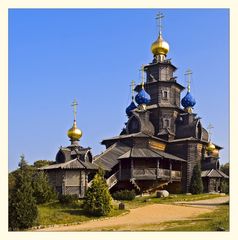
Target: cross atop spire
[
  {"x": 74, "y": 105},
  {"x": 188, "y": 74},
  {"x": 158, "y": 18},
  {"x": 210, "y": 127},
  {"x": 142, "y": 76},
  {"x": 132, "y": 88}
]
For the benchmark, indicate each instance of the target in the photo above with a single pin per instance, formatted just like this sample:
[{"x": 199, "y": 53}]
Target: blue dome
[
  {"x": 131, "y": 107},
  {"x": 142, "y": 97},
  {"x": 188, "y": 100}
]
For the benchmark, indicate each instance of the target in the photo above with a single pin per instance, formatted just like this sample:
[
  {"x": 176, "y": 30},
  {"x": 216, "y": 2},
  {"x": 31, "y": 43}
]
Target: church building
[
  {"x": 159, "y": 146},
  {"x": 161, "y": 141}
]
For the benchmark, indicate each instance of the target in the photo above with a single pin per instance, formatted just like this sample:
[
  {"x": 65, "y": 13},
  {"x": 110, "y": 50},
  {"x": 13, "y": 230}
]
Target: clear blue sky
[{"x": 92, "y": 55}]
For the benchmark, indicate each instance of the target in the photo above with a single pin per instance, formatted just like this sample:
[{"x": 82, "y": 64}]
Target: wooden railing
[
  {"x": 112, "y": 180},
  {"x": 152, "y": 172}
]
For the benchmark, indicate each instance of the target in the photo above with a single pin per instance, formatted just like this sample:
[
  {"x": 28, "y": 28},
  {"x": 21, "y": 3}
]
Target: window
[
  {"x": 165, "y": 94},
  {"x": 166, "y": 123}
]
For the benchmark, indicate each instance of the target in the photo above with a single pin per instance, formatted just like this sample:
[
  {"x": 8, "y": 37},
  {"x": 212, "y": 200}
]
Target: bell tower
[{"x": 163, "y": 88}]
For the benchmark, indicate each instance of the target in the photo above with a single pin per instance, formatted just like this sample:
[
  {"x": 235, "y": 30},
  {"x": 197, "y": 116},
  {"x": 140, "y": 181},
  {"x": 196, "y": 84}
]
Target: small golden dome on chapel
[{"x": 74, "y": 133}]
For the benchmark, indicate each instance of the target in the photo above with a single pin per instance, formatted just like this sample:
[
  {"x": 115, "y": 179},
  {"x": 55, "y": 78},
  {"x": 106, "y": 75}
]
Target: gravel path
[
  {"x": 209, "y": 203},
  {"x": 149, "y": 214}
]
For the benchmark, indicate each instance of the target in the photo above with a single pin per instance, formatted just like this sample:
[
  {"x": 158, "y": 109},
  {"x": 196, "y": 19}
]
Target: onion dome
[
  {"x": 210, "y": 147},
  {"x": 215, "y": 152},
  {"x": 188, "y": 101},
  {"x": 130, "y": 108},
  {"x": 142, "y": 97},
  {"x": 74, "y": 133},
  {"x": 160, "y": 47}
]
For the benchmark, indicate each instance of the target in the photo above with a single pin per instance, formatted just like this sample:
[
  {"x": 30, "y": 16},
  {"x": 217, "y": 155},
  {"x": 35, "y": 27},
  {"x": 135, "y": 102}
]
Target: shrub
[
  {"x": 22, "y": 205},
  {"x": 42, "y": 190},
  {"x": 225, "y": 187},
  {"x": 98, "y": 201},
  {"x": 68, "y": 199},
  {"x": 124, "y": 195},
  {"x": 196, "y": 186}
]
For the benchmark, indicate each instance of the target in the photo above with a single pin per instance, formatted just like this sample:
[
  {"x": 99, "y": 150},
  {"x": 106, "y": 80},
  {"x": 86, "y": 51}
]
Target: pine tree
[
  {"x": 196, "y": 186},
  {"x": 42, "y": 191},
  {"x": 22, "y": 205},
  {"x": 98, "y": 200}
]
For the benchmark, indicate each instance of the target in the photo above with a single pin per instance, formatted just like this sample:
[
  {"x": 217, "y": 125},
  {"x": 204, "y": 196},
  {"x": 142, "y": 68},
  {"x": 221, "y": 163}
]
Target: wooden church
[
  {"x": 159, "y": 146},
  {"x": 161, "y": 141}
]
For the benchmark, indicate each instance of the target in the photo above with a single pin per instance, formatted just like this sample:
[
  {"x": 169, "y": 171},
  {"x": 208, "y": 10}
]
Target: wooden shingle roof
[
  {"x": 214, "y": 173},
  {"x": 72, "y": 164}
]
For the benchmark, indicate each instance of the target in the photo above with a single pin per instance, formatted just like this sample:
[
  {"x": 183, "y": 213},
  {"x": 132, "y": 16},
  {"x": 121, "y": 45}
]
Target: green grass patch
[
  {"x": 142, "y": 201},
  {"x": 215, "y": 221},
  {"x": 57, "y": 213}
]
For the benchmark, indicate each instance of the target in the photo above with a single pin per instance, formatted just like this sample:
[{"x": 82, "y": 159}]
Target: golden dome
[
  {"x": 160, "y": 47},
  {"x": 210, "y": 147},
  {"x": 74, "y": 133},
  {"x": 215, "y": 152}
]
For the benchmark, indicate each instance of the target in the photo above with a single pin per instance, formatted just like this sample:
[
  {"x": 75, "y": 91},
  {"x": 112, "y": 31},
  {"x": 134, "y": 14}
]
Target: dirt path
[
  {"x": 208, "y": 203},
  {"x": 150, "y": 214}
]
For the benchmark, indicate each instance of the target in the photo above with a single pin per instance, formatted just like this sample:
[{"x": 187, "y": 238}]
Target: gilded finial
[
  {"x": 188, "y": 74},
  {"x": 160, "y": 48},
  {"x": 74, "y": 133}
]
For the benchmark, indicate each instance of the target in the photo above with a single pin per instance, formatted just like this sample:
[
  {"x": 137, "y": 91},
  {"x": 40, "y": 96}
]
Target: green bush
[
  {"x": 225, "y": 187},
  {"x": 98, "y": 201},
  {"x": 124, "y": 195},
  {"x": 42, "y": 190},
  {"x": 22, "y": 205},
  {"x": 196, "y": 186},
  {"x": 67, "y": 199}
]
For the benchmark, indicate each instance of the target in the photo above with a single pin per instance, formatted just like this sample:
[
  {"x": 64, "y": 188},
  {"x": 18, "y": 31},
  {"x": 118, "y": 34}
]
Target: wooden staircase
[
  {"x": 112, "y": 180},
  {"x": 132, "y": 180}
]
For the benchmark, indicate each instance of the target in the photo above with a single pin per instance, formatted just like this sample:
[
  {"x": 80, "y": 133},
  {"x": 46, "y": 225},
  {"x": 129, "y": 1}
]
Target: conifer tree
[
  {"x": 196, "y": 186},
  {"x": 22, "y": 205},
  {"x": 98, "y": 200},
  {"x": 42, "y": 191}
]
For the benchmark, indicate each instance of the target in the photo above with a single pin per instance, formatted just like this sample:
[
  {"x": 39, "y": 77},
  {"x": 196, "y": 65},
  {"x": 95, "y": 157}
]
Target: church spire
[
  {"x": 160, "y": 48},
  {"x": 74, "y": 133}
]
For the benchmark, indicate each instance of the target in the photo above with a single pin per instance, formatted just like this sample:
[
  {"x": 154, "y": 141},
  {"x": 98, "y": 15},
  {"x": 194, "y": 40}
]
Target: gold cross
[
  {"x": 132, "y": 88},
  {"x": 210, "y": 127},
  {"x": 188, "y": 73},
  {"x": 74, "y": 105},
  {"x": 159, "y": 17}
]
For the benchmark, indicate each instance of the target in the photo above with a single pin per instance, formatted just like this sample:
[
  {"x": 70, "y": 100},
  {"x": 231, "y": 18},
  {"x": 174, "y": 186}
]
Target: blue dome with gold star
[
  {"x": 188, "y": 100},
  {"x": 130, "y": 108},
  {"x": 142, "y": 97}
]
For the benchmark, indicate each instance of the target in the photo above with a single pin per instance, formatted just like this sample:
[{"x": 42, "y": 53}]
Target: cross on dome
[
  {"x": 74, "y": 105},
  {"x": 188, "y": 74},
  {"x": 159, "y": 17}
]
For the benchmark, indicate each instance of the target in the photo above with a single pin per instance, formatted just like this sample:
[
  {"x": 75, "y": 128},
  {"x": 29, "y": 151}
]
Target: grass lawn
[
  {"x": 142, "y": 201},
  {"x": 56, "y": 213},
  {"x": 215, "y": 221}
]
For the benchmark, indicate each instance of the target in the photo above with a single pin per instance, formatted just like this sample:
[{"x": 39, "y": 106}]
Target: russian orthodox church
[
  {"x": 159, "y": 146},
  {"x": 73, "y": 168},
  {"x": 161, "y": 141}
]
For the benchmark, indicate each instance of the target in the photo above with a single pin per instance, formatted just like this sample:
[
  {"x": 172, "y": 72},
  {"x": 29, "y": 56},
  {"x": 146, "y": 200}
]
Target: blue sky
[{"x": 92, "y": 55}]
